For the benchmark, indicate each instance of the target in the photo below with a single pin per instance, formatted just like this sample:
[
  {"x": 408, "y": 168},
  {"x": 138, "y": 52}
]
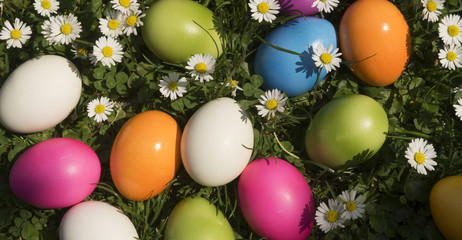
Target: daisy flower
[
  {"x": 201, "y": 66},
  {"x": 264, "y": 10},
  {"x": 324, "y": 58},
  {"x": 131, "y": 21},
  {"x": 354, "y": 206},
  {"x": 458, "y": 108},
  {"x": 234, "y": 85},
  {"x": 451, "y": 57},
  {"x": 100, "y": 108},
  {"x": 46, "y": 7},
  {"x": 108, "y": 51},
  {"x": 329, "y": 217},
  {"x": 15, "y": 35},
  {"x": 125, "y": 6},
  {"x": 171, "y": 86},
  {"x": 272, "y": 101},
  {"x": 46, "y": 29},
  {"x": 449, "y": 29},
  {"x": 79, "y": 51},
  {"x": 325, "y": 5},
  {"x": 64, "y": 29},
  {"x": 420, "y": 155},
  {"x": 431, "y": 9},
  {"x": 112, "y": 24}
]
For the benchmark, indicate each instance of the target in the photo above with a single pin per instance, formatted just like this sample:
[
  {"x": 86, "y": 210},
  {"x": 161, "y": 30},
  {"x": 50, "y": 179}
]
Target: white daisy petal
[
  {"x": 61, "y": 29},
  {"x": 450, "y": 29},
  {"x": 131, "y": 21},
  {"x": 125, "y": 6},
  {"x": 272, "y": 101},
  {"x": 431, "y": 10},
  {"x": 201, "y": 67},
  {"x": 46, "y": 7},
  {"x": 108, "y": 51},
  {"x": 264, "y": 10},
  {"x": 420, "y": 155},
  {"x": 323, "y": 57},
  {"x": 100, "y": 108},
  {"x": 172, "y": 86},
  {"x": 458, "y": 108},
  {"x": 353, "y": 207},
  {"x": 325, "y": 5},
  {"x": 112, "y": 25},
  {"x": 329, "y": 217},
  {"x": 15, "y": 35},
  {"x": 451, "y": 56}
]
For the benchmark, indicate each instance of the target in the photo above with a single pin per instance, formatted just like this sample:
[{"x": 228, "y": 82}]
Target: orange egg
[
  {"x": 145, "y": 155},
  {"x": 375, "y": 29}
]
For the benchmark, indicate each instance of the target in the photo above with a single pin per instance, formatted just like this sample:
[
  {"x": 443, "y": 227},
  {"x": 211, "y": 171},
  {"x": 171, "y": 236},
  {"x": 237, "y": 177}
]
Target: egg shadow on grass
[
  {"x": 306, "y": 63},
  {"x": 285, "y": 5},
  {"x": 359, "y": 158},
  {"x": 307, "y": 219},
  {"x": 244, "y": 116}
]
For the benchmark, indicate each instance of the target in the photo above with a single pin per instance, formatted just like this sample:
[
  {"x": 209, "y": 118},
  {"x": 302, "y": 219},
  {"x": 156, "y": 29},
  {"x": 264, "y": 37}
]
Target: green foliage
[{"x": 419, "y": 104}]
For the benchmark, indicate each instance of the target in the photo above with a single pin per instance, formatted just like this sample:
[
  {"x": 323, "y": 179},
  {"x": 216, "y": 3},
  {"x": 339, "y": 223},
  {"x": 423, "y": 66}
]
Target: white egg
[
  {"x": 95, "y": 220},
  {"x": 39, "y": 94},
  {"x": 216, "y": 142}
]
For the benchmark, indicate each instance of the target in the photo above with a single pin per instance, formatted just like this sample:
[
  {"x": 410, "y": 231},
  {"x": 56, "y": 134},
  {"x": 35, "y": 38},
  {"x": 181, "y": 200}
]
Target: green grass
[{"x": 419, "y": 104}]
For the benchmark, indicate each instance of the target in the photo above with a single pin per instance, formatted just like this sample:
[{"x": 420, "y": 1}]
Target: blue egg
[{"x": 288, "y": 72}]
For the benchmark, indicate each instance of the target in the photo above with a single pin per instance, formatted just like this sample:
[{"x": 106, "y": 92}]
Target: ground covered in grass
[{"x": 418, "y": 105}]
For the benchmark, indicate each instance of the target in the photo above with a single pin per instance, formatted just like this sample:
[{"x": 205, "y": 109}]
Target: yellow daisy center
[
  {"x": 15, "y": 34},
  {"x": 233, "y": 83},
  {"x": 332, "y": 216},
  {"x": 124, "y": 3},
  {"x": 324, "y": 0},
  {"x": 453, "y": 30},
  {"x": 99, "y": 108},
  {"x": 451, "y": 56},
  {"x": 82, "y": 51},
  {"x": 271, "y": 104},
  {"x": 46, "y": 4},
  {"x": 431, "y": 6},
  {"x": 351, "y": 206},
  {"x": 66, "y": 29},
  {"x": 326, "y": 58},
  {"x": 419, "y": 158},
  {"x": 113, "y": 24},
  {"x": 173, "y": 86},
  {"x": 107, "y": 51},
  {"x": 263, "y": 7},
  {"x": 132, "y": 20},
  {"x": 201, "y": 67}
]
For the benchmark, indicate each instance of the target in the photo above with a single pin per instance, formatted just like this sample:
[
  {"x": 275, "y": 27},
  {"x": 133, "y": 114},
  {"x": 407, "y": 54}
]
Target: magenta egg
[
  {"x": 55, "y": 173},
  {"x": 276, "y": 200},
  {"x": 298, "y": 6}
]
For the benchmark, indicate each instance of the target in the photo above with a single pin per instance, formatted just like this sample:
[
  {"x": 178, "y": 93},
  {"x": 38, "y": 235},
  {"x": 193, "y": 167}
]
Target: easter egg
[
  {"x": 446, "y": 207},
  {"x": 55, "y": 173},
  {"x": 39, "y": 94},
  {"x": 375, "y": 33},
  {"x": 276, "y": 200},
  {"x": 96, "y": 220},
  {"x": 197, "y": 219},
  {"x": 298, "y": 6},
  {"x": 145, "y": 155},
  {"x": 217, "y": 142},
  {"x": 176, "y": 30},
  {"x": 289, "y": 72},
  {"x": 346, "y": 131}
]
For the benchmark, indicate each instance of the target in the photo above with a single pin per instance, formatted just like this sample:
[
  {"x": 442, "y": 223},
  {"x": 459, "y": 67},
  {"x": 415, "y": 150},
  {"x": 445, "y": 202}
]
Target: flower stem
[{"x": 283, "y": 148}]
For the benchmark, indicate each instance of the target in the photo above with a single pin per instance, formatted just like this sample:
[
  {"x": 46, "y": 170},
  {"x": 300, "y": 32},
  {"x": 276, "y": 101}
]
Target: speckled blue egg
[{"x": 289, "y": 72}]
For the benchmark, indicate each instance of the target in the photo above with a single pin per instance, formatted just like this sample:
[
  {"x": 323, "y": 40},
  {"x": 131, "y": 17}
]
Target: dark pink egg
[
  {"x": 297, "y": 6},
  {"x": 55, "y": 173},
  {"x": 276, "y": 200}
]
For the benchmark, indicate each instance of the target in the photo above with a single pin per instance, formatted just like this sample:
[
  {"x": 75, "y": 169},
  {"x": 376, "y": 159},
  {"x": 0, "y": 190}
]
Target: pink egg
[
  {"x": 294, "y": 6},
  {"x": 55, "y": 173},
  {"x": 276, "y": 200}
]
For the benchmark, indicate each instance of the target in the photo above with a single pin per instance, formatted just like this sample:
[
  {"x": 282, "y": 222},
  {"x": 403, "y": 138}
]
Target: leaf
[
  {"x": 121, "y": 77},
  {"x": 256, "y": 80},
  {"x": 29, "y": 232},
  {"x": 378, "y": 223}
]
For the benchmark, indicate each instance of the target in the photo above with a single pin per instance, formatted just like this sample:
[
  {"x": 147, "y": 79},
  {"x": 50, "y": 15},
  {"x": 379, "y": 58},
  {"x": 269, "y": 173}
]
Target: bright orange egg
[
  {"x": 375, "y": 29},
  {"x": 145, "y": 155}
]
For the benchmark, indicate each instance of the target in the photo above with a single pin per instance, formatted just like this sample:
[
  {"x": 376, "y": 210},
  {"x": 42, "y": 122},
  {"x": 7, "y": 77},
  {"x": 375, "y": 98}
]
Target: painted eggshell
[
  {"x": 55, "y": 173},
  {"x": 276, "y": 200},
  {"x": 216, "y": 142},
  {"x": 197, "y": 219},
  {"x": 176, "y": 30},
  {"x": 145, "y": 155},
  {"x": 346, "y": 128},
  {"x": 376, "y": 32},
  {"x": 96, "y": 220},
  {"x": 298, "y": 6},
  {"x": 288, "y": 72},
  {"x": 445, "y": 206},
  {"x": 39, "y": 94}
]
